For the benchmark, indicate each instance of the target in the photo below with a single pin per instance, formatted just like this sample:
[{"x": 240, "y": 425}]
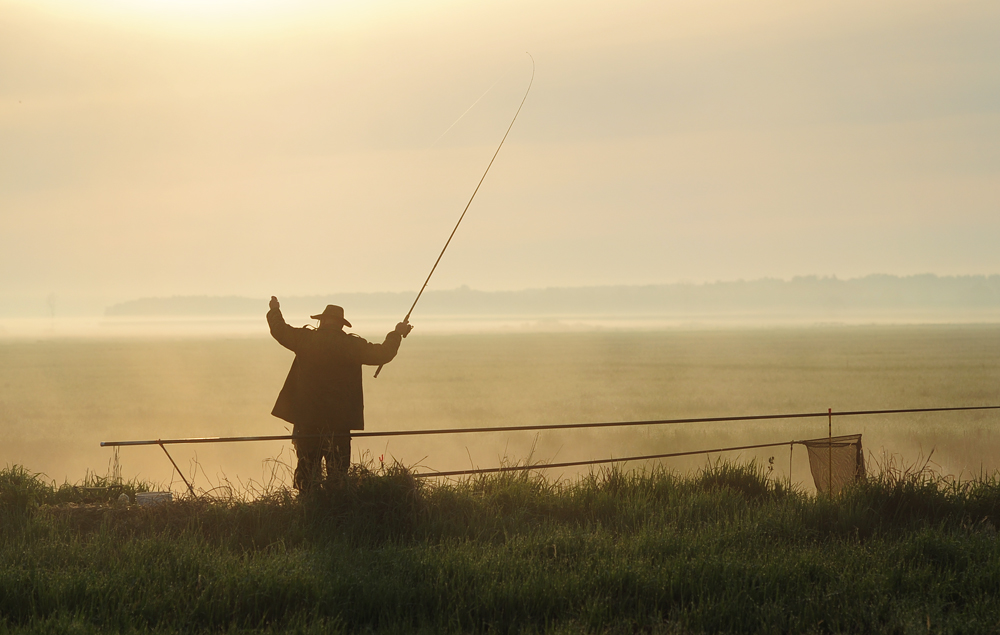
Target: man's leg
[
  {"x": 309, "y": 470},
  {"x": 339, "y": 458}
]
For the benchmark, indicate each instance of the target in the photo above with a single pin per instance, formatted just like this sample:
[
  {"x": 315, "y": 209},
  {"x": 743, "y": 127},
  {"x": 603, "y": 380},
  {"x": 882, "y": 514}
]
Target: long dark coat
[{"x": 322, "y": 392}]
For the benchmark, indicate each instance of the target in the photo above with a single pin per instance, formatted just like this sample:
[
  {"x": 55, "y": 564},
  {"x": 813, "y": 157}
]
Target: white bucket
[{"x": 153, "y": 498}]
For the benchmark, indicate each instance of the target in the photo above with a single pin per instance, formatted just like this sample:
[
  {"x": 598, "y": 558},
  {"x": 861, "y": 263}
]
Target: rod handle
[{"x": 406, "y": 320}]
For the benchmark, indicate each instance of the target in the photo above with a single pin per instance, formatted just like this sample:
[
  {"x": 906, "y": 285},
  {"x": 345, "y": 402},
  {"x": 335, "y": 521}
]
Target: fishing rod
[{"x": 406, "y": 320}]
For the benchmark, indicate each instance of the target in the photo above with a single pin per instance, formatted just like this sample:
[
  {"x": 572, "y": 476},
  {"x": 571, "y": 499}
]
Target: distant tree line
[{"x": 801, "y": 293}]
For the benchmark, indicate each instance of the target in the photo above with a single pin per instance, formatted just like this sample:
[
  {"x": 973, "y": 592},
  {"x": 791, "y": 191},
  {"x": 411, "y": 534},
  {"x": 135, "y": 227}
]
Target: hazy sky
[{"x": 156, "y": 147}]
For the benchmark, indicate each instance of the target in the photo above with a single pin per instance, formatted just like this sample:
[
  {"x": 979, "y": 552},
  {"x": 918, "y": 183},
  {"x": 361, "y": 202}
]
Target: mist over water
[
  {"x": 800, "y": 301},
  {"x": 62, "y": 396}
]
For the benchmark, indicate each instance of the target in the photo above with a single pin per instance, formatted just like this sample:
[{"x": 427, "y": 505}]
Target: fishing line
[{"x": 466, "y": 112}]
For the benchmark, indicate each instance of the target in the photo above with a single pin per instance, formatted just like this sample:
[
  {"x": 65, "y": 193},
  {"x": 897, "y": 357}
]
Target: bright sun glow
[{"x": 224, "y": 13}]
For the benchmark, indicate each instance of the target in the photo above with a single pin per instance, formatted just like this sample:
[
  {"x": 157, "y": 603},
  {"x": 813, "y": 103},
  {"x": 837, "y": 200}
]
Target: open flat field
[
  {"x": 60, "y": 397},
  {"x": 726, "y": 546}
]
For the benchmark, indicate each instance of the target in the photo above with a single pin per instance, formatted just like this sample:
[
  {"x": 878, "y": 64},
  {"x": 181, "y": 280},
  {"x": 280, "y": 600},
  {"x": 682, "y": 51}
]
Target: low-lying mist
[{"x": 62, "y": 397}]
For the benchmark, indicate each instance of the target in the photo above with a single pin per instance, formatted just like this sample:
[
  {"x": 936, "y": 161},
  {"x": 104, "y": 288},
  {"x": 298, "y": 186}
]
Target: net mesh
[{"x": 835, "y": 462}]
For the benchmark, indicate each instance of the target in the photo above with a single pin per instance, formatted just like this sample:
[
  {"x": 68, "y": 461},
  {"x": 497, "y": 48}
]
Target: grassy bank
[{"x": 725, "y": 550}]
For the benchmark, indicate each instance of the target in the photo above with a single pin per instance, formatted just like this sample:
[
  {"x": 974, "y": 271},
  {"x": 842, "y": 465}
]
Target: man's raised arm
[{"x": 287, "y": 336}]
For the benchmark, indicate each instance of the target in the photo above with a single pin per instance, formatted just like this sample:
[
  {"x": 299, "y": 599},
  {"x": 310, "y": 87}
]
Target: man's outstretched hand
[
  {"x": 273, "y": 304},
  {"x": 403, "y": 329}
]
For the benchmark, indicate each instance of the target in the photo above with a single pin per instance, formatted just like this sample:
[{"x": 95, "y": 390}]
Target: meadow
[
  {"x": 723, "y": 543},
  {"x": 59, "y": 398},
  {"x": 727, "y": 550}
]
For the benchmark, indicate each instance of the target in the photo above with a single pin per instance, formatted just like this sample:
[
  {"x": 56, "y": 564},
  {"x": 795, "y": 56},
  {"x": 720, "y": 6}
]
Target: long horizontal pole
[
  {"x": 555, "y": 426},
  {"x": 646, "y": 457}
]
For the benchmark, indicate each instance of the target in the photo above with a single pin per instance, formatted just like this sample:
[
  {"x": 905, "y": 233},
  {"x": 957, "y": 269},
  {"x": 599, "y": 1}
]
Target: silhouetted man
[{"x": 322, "y": 394}]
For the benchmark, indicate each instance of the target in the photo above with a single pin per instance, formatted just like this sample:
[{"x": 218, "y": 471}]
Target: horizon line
[{"x": 466, "y": 287}]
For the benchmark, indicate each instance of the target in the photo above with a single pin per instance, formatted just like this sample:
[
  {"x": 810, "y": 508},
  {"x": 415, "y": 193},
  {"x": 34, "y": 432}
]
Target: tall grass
[{"x": 728, "y": 549}]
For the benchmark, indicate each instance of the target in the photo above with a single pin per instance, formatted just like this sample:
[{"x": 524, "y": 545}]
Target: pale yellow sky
[{"x": 232, "y": 148}]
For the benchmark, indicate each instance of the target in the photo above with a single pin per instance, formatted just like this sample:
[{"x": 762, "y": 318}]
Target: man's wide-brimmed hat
[{"x": 333, "y": 313}]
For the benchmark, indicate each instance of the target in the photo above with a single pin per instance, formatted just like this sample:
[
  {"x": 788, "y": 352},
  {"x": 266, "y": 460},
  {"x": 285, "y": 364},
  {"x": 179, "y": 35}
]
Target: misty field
[{"x": 61, "y": 397}]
